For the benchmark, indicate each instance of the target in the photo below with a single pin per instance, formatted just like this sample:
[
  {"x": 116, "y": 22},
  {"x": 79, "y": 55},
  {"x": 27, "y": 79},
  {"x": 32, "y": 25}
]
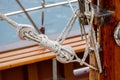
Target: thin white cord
[
  {"x": 89, "y": 12},
  {"x": 98, "y": 5},
  {"x": 73, "y": 11},
  {"x": 90, "y": 16},
  {"x": 66, "y": 30},
  {"x": 10, "y": 21},
  {"x": 64, "y": 54}
]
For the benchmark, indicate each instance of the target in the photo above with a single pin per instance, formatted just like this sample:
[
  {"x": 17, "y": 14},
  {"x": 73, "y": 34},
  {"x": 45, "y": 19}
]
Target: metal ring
[
  {"x": 117, "y": 34},
  {"x": 23, "y": 29}
]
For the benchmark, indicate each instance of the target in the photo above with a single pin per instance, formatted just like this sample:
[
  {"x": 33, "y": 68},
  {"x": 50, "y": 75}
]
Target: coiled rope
[
  {"x": 89, "y": 12},
  {"x": 64, "y": 54}
]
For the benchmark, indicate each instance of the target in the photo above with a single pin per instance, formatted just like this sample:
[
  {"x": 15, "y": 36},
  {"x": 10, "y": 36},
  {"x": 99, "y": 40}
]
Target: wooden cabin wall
[
  {"x": 13, "y": 74},
  {"x": 43, "y": 71},
  {"x": 36, "y": 71}
]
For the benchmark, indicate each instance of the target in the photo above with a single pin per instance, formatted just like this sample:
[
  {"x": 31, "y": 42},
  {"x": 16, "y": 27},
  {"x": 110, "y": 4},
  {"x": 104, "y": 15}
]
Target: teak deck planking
[{"x": 36, "y": 53}]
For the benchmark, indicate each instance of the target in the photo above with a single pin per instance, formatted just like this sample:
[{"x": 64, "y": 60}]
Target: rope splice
[{"x": 64, "y": 54}]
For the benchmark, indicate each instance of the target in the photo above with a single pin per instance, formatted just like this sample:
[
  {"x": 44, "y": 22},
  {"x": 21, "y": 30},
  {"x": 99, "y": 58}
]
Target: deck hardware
[
  {"x": 64, "y": 54},
  {"x": 117, "y": 34},
  {"x": 89, "y": 14},
  {"x": 102, "y": 17},
  {"x": 82, "y": 18},
  {"x": 28, "y": 16}
]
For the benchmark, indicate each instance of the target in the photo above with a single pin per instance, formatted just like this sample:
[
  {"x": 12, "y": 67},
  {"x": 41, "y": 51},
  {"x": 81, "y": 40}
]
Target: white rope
[
  {"x": 91, "y": 35},
  {"x": 64, "y": 54},
  {"x": 98, "y": 5},
  {"x": 69, "y": 25},
  {"x": 73, "y": 11},
  {"x": 95, "y": 45},
  {"x": 90, "y": 15},
  {"x": 10, "y": 21},
  {"x": 66, "y": 30}
]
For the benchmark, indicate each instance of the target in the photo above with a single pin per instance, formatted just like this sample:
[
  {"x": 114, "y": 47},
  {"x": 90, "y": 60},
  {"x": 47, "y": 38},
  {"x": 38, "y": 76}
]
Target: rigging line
[
  {"x": 82, "y": 18},
  {"x": 81, "y": 30},
  {"x": 98, "y": 5},
  {"x": 42, "y": 29},
  {"x": 64, "y": 54},
  {"x": 10, "y": 21},
  {"x": 30, "y": 19},
  {"x": 67, "y": 29},
  {"x": 89, "y": 34},
  {"x": 73, "y": 11},
  {"x": 43, "y": 6}
]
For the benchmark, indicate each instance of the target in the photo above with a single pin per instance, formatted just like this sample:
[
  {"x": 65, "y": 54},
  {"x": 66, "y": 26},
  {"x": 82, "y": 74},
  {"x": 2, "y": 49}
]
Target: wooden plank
[
  {"x": 13, "y": 74},
  {"x": 72, "y": 42},
  {"x": 45, "y": 70},
  {"x": 68, "y": 71},
  {"x": 117, "y": 63},
  {"x": 117, "y": 9},
  {"x": 33, "y": 59},
  {"x": 20, "y": 56},
  {"x": 20, "y": 51},
  {"x": 5, "y": 58},
  {"x": 109, "y": 54},
  {"x": 73, "y": 39},
  {"x": 77, "y": 49},
  {"x": 1, "y": 75},
  {"x": 116, "y": 50},
  {"x": 93, "y": 75},
  {"x": 33, "y": 72},
  {"x": 35, "y": 54},
  {"x": 25, "y": 44},
  {"x": 27, "y": 60}
]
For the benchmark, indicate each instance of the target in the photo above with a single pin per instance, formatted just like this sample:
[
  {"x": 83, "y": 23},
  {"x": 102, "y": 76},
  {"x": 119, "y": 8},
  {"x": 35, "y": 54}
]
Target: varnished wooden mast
[
  {"x": 110, "y": 55},
  {"x": 110, "y": 50}
]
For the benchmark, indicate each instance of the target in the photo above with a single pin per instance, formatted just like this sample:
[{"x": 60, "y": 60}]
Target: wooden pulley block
[{"x": 25, "y": 29}]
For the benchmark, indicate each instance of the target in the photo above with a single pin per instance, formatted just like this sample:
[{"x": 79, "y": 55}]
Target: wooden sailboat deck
[
  {"x": 35, "y": 53},
  {"x": 35, "y": 60}
]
